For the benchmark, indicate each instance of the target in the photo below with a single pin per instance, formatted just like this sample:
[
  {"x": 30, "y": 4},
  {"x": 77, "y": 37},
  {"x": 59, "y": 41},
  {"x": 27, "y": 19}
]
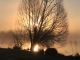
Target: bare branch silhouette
[
  {"x": 19, "y": 38},
  {"x": 44, "y": 21}
]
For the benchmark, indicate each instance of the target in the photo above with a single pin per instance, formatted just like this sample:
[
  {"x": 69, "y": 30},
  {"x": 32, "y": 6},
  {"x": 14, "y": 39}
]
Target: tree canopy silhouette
[{"x": 44, "y": 21}]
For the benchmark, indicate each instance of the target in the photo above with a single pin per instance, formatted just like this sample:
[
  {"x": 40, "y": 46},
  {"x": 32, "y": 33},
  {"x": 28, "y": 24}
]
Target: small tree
[
  {"x": 44, "y": 21},
  {"x": 19, "y": 38}
]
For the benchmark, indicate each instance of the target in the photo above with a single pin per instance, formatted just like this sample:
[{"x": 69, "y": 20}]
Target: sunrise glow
[{"x": 36, "y": 48}]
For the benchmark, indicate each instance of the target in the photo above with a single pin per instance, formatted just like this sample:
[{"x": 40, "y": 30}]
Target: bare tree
[
  {"x": 19, "y": 38},
  {"x": 44, "y": 21}
]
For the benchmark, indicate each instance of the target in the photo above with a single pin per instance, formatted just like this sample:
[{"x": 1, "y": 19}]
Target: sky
[{"x": 9, "y": 12}]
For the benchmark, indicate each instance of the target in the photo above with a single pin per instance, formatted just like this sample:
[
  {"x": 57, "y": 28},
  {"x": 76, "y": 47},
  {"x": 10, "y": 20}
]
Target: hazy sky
[{"x": 9, "y": 11}]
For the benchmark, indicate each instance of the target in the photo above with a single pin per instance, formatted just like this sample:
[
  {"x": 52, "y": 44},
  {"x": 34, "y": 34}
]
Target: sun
[{"x": 36, "y": 48}]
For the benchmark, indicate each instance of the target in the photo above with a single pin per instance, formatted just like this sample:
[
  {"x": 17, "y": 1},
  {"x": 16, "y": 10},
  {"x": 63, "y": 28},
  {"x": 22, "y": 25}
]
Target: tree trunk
[{"x": 32, "y": 46}]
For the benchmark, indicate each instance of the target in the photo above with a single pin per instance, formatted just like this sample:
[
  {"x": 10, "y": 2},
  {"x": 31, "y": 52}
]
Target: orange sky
[
  {"x": 9, "y": 12},
  {"x": 73, "y": 9}
]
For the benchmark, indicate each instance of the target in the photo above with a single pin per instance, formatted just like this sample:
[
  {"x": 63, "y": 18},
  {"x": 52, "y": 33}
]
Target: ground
[{"x": 13, "y": 54}]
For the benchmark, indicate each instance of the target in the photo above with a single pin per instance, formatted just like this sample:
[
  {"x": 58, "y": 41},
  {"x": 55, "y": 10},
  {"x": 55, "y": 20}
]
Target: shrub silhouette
[
  {"x": 77, "y": 54},
  {"x": 51, "y": 52},
  {"x": 17, "y": 48}
]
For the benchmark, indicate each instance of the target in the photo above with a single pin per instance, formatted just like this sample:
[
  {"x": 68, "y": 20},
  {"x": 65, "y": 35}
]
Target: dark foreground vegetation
[{"x": 16, "y": 54}]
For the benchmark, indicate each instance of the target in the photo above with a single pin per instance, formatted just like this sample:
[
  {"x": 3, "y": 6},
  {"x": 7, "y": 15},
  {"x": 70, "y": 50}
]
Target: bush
[
  {"x": 17, "y": 48},
  {"x": 77, "y": 54},
  {"x": 51, "y": 52}
]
